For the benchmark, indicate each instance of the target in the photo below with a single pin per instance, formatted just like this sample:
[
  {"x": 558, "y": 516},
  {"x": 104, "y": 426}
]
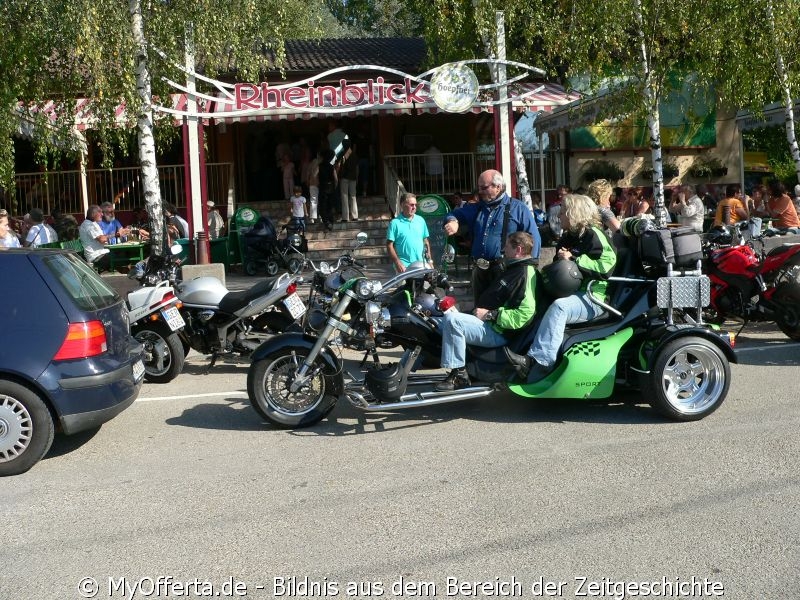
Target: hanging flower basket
[
  {"x": 708, "y": 167},
  {"x": 602, "y": 169},
  {"x": 668, "y": 170}
]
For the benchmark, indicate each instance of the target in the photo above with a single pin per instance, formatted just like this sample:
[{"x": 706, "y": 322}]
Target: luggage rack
[{"x": 685, "y": 289}]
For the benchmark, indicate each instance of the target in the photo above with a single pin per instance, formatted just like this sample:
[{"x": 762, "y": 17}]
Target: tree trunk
[
  {"x": 788, "y": 102},
  {"x": 519, "y": 158},
  {"x": 653, "y": 124},
  {"x": 147, "y": 146}
]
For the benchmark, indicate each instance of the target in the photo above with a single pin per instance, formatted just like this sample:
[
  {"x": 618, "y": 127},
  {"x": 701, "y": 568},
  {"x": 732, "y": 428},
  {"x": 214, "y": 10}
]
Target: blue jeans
[
  {"x": 460, "y": 329},
  {"x": 572, "y": 309}
]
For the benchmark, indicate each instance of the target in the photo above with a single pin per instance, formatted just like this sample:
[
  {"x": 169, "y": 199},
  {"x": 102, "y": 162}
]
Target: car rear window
[{"x": 84, "y": 286}]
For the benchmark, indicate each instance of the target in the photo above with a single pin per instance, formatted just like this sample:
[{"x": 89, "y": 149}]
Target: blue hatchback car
[{"x": 67, "y": 359}]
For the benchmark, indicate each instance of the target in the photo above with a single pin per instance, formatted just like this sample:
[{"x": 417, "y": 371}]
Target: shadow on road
[
  {"x": 64, "y": 444},
  {"x": 233, "y": 414}
]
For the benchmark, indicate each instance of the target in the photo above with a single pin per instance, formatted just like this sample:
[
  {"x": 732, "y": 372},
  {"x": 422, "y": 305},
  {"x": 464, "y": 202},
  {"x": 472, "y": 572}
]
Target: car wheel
[{"x": 26, "y": 428}]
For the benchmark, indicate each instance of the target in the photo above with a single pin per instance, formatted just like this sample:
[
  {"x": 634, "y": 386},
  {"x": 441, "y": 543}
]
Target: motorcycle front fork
[{"x": 335, "y": 323}]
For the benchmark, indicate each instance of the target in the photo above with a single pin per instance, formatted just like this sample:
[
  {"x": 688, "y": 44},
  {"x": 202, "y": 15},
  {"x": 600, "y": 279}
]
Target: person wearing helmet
[
  {"x": 584, "y": 243},
  {"x": 505, "y": 308}
]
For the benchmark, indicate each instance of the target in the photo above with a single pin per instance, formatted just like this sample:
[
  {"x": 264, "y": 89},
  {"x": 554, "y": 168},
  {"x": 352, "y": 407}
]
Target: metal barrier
[
  {"x": 459, "y": 172},
  {"x": 120, "y": 185}
]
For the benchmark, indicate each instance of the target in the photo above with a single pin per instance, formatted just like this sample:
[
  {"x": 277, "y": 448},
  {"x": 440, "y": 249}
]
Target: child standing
[{"x": 299, "y": 210}]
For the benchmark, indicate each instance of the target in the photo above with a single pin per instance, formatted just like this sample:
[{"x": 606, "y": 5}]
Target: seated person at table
[
  {"x": 780, "y": 208},
  {"x": 177, "y": 226},
  {"x": 65, "y": 225},
  {"x": 731, "y": 210},
  {"x": 94, "y": 240},
  {"x": 141, "y": 223},
  {"x": 110, "y": 225},
  {"x": 8, "y": 239},
  {"x": 40, "y": 232}
]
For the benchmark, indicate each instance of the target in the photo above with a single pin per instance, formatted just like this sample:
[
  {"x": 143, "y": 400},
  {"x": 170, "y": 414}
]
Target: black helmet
[{"x": 561, "y": 278}]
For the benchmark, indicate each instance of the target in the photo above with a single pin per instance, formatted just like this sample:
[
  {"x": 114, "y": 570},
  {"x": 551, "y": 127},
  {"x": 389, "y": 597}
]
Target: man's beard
[{"x": 108, "y": 218}]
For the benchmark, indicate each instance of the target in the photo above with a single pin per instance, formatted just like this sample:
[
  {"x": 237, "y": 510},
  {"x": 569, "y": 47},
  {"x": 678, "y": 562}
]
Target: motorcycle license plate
[
  {"x": 138, "y": 370},
  {"x": 295, "y": 305},
  {"x": 173, "y": 318}
]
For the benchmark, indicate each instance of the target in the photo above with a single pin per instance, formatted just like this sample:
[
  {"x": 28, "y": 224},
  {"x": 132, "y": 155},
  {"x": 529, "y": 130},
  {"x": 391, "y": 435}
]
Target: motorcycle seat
[{"x": 233, "y": 301}]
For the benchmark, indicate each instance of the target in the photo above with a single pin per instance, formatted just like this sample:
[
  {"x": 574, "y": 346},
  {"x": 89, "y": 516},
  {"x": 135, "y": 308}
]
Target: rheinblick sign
[{"x": 370, "y": 92}]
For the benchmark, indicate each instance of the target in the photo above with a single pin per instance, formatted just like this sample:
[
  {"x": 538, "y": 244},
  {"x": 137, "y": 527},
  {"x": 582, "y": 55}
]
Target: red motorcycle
[{"x": 749, "y": 284}]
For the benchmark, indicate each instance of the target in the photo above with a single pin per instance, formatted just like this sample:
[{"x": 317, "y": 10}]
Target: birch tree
[
  {"x": 115, "y": 52},
  {"x": 759, "y": 62}
]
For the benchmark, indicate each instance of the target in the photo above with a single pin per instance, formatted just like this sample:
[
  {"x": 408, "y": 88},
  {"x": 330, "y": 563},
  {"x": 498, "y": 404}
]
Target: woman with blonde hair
[
  {"x": 600, "y": 191},
  {"x": 588, "y": 247}
]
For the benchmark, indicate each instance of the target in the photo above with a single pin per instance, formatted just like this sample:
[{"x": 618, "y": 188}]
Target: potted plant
[
  {"x": 668, "y": 170},
  {"x": 602, "y": 169},
  {"x": 708, "y": 167}
]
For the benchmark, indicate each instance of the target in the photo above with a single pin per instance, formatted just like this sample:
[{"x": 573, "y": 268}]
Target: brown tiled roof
[{"x": 404, "y": 54}]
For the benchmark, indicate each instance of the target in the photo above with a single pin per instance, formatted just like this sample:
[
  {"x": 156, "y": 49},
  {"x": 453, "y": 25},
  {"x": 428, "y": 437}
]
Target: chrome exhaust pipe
[{"x": 428, "y": 399}]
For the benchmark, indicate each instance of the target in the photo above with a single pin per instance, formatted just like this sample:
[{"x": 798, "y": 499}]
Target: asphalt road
[{"x": 189, "y": 483}]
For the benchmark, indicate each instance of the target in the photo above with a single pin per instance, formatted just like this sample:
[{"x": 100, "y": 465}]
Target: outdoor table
[{"x": 126, "y": 253}]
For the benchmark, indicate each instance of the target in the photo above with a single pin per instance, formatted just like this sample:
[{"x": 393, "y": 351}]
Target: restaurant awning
[{"x": 774, "y": 116}]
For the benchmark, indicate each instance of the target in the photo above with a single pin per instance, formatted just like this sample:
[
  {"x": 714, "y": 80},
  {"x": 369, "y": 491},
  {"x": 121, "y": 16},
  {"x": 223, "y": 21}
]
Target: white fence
[{"x": 459, "y": 172}]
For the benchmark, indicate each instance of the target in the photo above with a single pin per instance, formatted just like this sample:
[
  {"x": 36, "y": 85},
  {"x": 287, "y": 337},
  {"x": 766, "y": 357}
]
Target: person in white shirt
[
  {"x": 689, "y": 208},
  {"x": 94, "y": 240},
  {"x": 40, "y": 233},
  {"x": 216, "y": 222},
  {"x": 8, "y": 239}
]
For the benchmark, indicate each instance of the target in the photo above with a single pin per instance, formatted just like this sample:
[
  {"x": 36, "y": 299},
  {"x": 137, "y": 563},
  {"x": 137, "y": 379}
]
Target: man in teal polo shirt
[{"x": 407, "y": 237}]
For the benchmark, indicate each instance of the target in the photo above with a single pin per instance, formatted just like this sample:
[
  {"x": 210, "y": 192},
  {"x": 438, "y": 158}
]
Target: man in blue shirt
[
  {"x": 490, "y": 221},
  {"x": 407, "y": 237},
  {"x": 110, "y": 225}
]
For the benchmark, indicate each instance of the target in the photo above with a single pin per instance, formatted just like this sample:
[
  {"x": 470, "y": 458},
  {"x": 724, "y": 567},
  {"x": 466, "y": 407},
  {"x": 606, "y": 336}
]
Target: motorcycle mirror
[
  {"x": 175, "y": 249},
  {"x": 449, "y": 254},
  {"x": 361, "y": 238}
]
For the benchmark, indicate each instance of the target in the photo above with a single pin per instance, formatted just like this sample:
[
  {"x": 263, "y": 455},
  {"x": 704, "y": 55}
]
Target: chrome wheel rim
[
  {"x": 16, "y": 428},
  {"x": 279, "y": 375},
  {"x": 693, "y": 378},
  {"x": 157, "y": 358}
]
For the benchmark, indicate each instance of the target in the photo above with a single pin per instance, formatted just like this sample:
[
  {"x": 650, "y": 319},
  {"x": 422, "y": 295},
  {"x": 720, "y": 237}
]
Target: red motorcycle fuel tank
[{"x": 736, "y": 260}]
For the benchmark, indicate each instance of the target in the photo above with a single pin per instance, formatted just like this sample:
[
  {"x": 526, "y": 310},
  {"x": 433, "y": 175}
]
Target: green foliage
[
  {"x": 66, "y": 49},
  {"x": 602, "y": 169},
  {"x": 707, "y": 167},
  {"x": 668, "y": 170}
]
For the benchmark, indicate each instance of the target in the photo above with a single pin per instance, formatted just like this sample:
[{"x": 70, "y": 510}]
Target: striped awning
[
  {"x": 528, "y": 96},
  {"x": 84, "y": 117}
]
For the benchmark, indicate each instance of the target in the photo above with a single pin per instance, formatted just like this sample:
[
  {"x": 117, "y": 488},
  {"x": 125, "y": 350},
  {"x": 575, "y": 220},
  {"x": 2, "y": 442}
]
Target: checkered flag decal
[{"x": 586, "y": 348}]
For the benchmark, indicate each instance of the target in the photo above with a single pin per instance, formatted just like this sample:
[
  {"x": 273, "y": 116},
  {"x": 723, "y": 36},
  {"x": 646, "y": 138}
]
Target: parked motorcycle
[
  {"x": 156, "y": 321},
  {"x": 683, "y": 371},
  {"x": 749, "y": 284},
  {"x": 219, "y": 321}
]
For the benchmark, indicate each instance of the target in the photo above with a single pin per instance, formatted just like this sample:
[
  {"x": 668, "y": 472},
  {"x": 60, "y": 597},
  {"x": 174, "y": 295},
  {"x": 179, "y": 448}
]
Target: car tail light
[
  {"x": 291, "y": 289},
  {"x": 83, "y": 340}
]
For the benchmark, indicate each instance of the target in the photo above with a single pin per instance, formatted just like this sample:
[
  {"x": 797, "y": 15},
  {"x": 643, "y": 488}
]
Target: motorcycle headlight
[
  {"x": 325, "y": 268},
  {"x": 366, "y": 288}
]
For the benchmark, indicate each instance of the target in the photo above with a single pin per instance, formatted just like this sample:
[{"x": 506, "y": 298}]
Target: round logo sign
[
  {"x": 454, "y": 87},
  {"x": 427, "y": 205}
]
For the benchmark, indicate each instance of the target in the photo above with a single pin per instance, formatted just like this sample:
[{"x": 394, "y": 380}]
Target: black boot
[
  {"x": 520, "y": 362},
  {"x": 456, "y": 380}
]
